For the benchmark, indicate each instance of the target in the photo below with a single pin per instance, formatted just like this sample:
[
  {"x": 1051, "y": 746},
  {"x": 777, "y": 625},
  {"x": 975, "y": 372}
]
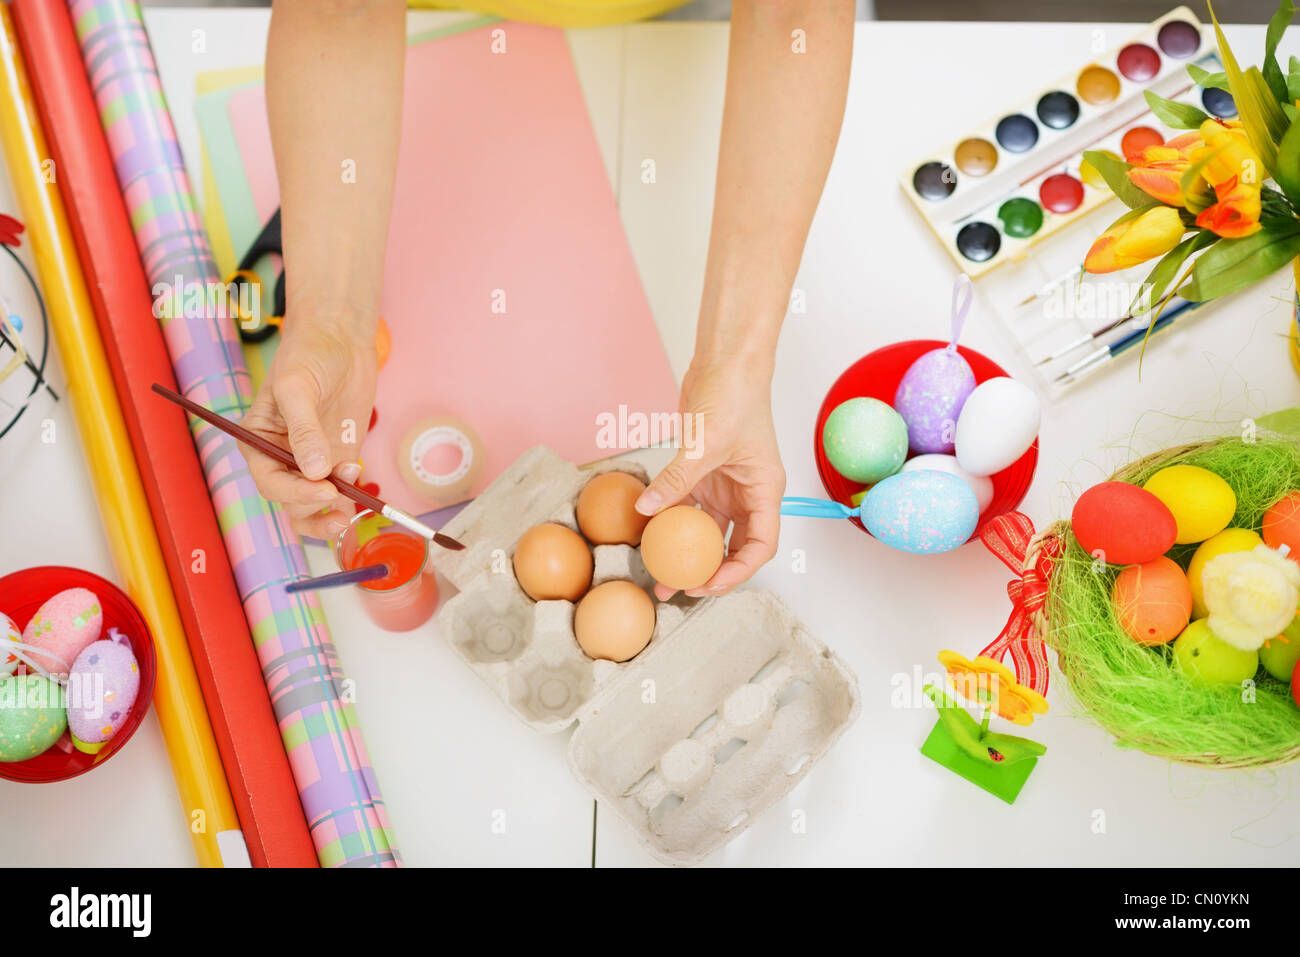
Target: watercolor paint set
[{"x": 1016, "y": 180}]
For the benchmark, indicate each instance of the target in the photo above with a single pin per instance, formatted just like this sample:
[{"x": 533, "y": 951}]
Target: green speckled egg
[
  {"x": 32, "y": 716},
  {"x": 865, "y": 440}
]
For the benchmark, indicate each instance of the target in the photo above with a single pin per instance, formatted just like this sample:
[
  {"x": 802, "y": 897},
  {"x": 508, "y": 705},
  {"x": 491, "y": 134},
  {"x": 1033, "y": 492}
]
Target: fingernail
[
  {"x": 649, "y": 502},
  {"x": 336, "y": 526},
  {"x": 327, "y": 494},
  {"x": 316, "y": 465},
  {"x": 350, "y": 472}
]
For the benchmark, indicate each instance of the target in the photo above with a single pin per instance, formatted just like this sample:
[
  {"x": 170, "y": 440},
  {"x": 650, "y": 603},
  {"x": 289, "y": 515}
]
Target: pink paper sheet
[{"x": 500, "y": 186}]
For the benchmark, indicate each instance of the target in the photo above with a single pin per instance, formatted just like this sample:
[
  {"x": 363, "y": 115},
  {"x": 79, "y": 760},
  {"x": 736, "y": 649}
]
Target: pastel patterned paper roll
[{"x": 345, "y": 812}]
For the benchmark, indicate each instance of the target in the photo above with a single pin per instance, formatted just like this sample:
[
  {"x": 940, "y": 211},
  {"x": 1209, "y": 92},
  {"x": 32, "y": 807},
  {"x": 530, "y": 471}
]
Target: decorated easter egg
[
  {"x": 1282, "y": 524},
  {"x": 1203, "y": 503},
  {"x": 865, "y": 440},
  {"x": 1280, "y": 655},
  {"x": 1207, "y": 660},
  {"x": 8, "y": 632},
  {"x": 981, "y": 485},
  {"x": 32, "y": 716},
  {"x": 1228, "y": 540},
  {"x": 102, "y": 688},
  {"x": 923, "y": 512},
  {"x": 930, "y": 398},
  {"x": 1153, "y": 601},
  {"x": 1123, "y": 524},
  {"x": 66, "y": 623},
  {"x": 997, "y": 425}
]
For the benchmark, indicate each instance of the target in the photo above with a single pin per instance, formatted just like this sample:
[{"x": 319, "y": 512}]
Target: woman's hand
[
  {"x": 729, "y": 465},
  {"x": 316, "y": 402}
]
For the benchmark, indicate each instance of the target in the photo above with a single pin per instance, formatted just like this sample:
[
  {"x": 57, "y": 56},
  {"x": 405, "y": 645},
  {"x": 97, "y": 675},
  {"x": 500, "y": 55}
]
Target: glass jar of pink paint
[{"x": 405, "y": 597}]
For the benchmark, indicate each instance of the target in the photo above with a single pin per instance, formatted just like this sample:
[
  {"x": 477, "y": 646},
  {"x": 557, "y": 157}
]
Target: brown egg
[
  {"x": 607, "y": 511},
  {"x": 614, "y": 621},
  {"x": 682, "y": 547},
  {"x": 552, "y": 561}
]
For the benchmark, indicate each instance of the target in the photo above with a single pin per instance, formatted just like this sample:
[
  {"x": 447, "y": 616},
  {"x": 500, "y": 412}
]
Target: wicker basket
[{"x": 1149, "y": 735}]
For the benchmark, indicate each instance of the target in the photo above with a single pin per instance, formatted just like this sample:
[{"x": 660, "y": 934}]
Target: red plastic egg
[
  {"x": 1282, "y": 524},
  {"x": 1123, "y": 524},
  {"x": 1153, "y": 601}
]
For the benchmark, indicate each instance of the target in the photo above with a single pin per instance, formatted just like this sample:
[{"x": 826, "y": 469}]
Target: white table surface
[{"x": 452, "y": 761}]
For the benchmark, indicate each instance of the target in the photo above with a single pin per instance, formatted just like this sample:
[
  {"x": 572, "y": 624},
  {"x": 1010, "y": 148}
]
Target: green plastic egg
[
  {"x": 32, "y": 716},
  {"x": 865, "y": 440}
]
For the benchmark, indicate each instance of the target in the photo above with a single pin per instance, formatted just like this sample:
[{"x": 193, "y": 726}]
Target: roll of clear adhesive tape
[{"x": 441, "y": 459}]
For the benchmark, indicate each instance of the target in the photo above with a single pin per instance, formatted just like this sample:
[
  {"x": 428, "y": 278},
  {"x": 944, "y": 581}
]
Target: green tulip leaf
[
  {"x": 1234, "y": 264},
  {"x": 1115, "y": 173},
  {"x": 1285, "y": 422},
  {"x": 1167, "y": 270},
  {"x": 1261, "y": 115},
  {"x": 1180, "y": 116},
  {"x": 1293, "y": 81},
  {"x": 1287, "y": 173},
  {"x": 1272, "y": 70},
  {"x": 1219, "y": 81}
]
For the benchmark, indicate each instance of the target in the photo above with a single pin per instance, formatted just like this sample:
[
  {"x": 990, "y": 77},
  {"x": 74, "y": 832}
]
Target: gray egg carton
[{"x": 722, "y": 714}]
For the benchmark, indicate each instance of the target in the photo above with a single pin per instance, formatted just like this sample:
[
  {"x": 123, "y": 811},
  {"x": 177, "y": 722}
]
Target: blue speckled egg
[
  {"x": 930, "y": 398},
  {"x": 925, "y": 512}
]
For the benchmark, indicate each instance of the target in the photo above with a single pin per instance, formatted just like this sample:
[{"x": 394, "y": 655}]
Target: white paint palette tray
[{"x": 729, "y": 706}]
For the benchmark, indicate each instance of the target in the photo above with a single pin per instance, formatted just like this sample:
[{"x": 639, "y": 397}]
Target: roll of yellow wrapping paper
[{"x": 178, "y": 700}]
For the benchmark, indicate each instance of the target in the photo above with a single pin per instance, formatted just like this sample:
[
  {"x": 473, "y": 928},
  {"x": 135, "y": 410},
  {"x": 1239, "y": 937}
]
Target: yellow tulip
[{"x": 1126, "y": 244}]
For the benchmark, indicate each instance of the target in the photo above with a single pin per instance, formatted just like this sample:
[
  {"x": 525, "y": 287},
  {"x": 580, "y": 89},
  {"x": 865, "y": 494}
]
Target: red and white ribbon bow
[{"x": 1008, "y": 537}]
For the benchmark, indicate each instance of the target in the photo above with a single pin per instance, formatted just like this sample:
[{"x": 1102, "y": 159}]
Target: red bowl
[
  {"x": 877, "y": 376},
  {"x": 21, "y": 594}
]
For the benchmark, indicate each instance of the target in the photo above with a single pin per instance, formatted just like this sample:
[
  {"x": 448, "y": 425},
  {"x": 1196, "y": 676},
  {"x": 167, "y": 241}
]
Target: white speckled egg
[
  {"x": 931, "y": 396},
  {"x": 921, "y": 511},
  {"x": 997, "y": 425},
  {"x": 981, "y": 485},
  {"x": 8, "y": 632}
]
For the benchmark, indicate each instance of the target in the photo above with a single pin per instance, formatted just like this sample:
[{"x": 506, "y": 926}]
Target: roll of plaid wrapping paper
[
  {"x": 129, "y": 528},
  {"x": 346, "y": 814},
  {"x": 265, "y": 796}
]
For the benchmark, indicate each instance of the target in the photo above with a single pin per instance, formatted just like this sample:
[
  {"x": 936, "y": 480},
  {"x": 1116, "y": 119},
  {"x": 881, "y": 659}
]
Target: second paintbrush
[{"x": 284, "y": 457}]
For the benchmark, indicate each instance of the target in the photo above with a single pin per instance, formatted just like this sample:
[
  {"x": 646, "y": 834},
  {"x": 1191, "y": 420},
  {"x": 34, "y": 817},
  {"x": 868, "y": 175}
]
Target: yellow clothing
[{"x": 559, "y": 13}]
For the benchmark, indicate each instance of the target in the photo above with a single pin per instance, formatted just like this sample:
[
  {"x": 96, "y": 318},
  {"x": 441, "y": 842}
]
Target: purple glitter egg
[{"x": 930, "y": 398}]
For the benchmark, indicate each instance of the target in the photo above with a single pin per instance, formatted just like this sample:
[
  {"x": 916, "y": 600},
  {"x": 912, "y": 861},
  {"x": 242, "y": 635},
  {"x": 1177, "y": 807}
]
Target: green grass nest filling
[{"x": 1134, "y": 691}]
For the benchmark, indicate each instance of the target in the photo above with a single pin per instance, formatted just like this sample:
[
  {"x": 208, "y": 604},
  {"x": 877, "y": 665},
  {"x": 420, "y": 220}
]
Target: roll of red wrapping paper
[
  {"x": 178, "y": 700},
  {"x": 252, "y": 754}
]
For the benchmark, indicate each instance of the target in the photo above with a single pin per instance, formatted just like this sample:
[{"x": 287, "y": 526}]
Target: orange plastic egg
[
  {"x": 1153, "y": 601},
  {"x": 1282, "y": 524}
]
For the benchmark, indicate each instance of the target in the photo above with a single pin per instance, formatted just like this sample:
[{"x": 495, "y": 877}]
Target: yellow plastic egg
[
  {"x": 1228, "y": 540},
  {"x": 1203, "y": 503}
]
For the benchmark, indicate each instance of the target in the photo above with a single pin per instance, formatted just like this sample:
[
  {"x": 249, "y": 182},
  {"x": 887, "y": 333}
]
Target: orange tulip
[
  {"x": 1235, "y": 215},
  {"x": 1160, "y": 170},
  {"x": 1126, "y": 244}
]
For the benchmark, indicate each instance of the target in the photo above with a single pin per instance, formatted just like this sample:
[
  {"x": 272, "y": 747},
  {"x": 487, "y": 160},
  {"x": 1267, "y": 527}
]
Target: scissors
[{"x": 257, "y": 325}]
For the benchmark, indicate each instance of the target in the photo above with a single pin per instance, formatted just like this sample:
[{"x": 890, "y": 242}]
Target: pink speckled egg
[
  {"x": 63, "y": 626},
  {"x": 8, "y": 632},
  {"x": 102, "y": 687},
  {"x": 930, "y": 399}
]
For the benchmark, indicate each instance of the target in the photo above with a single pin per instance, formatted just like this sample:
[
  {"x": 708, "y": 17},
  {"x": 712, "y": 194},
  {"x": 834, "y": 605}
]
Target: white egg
[
  {"x": 981, "y": 485},
  {"x": 997, "y": 425}
]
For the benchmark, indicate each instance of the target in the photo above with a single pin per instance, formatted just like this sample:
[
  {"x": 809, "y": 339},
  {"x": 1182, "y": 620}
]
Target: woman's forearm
[
  {"x": 334, "y": 101},
  {"x": 780, "y": 125}
]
